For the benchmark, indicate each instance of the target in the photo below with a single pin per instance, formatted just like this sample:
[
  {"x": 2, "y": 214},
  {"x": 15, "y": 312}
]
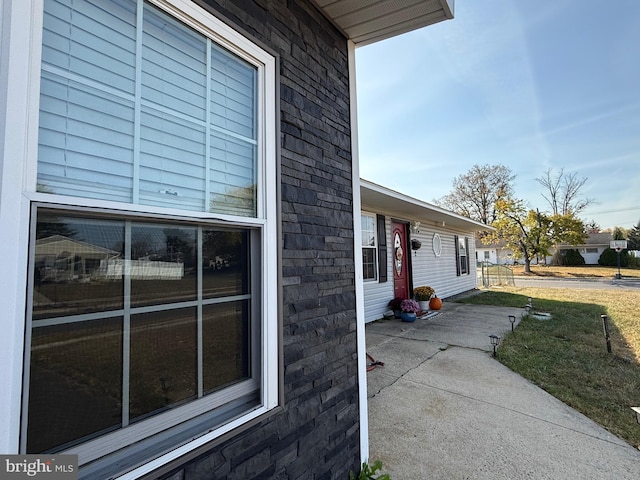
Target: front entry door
[{"x": 399, "y": 259}]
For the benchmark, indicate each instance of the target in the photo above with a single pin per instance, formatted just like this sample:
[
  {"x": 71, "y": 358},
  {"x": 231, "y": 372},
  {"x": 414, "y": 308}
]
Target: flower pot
[
  {"x": 424, "y": 305},
  {"x": 408, "y": 316},
  {"x": 435, "y": 304}
]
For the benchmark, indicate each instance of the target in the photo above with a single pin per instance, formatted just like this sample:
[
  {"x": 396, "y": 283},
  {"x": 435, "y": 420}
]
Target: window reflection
[
  {"x": 225, "y": 330},
  {"x": 163, "y": 264},
  {"x": 163, "y": 360},
  {"x": 76, "y": 382},
  {"x": 91, "y": 343},
  {"x": 75, "y": 269},
  {"x": 225, "y": 263}
]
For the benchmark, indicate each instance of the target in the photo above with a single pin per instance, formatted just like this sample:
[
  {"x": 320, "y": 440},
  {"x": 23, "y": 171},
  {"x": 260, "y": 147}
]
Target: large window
[
  {"x": 369, "y": 247},
  {"x": 152, "y": 314}
]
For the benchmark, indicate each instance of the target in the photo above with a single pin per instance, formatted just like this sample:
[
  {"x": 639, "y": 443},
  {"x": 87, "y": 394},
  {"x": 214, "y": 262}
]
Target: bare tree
[
  {"x": 564, "y": 192},
  {"x": 476, "y": 192}
]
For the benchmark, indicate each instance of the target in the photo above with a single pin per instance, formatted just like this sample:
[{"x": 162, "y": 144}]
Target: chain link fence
[{"x": 491, "y": 274}]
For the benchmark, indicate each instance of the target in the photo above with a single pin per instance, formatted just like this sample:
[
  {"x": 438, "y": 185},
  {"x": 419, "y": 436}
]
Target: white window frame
[
  {"x": 369, "y": 247},
  {"x": 21, "y": 48}
]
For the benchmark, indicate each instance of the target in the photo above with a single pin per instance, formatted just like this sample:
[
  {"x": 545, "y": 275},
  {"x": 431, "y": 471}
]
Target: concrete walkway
[{"x": 443, "y": 408}]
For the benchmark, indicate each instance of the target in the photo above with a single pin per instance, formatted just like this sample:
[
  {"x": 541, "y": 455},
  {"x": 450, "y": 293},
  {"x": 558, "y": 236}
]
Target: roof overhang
[
  {"x": 379, "y": 199},
  {"x": 368, "y": 22}
]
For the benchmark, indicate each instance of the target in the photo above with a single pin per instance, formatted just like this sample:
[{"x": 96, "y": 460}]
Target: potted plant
[
  {"x": 409, "y": 308},
  {"x": 396, "y": 306},
  {"x": 423, "y": 294}
]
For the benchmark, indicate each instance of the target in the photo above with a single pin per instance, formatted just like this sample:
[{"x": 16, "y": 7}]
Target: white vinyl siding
[{"x": 427, "y": 269}]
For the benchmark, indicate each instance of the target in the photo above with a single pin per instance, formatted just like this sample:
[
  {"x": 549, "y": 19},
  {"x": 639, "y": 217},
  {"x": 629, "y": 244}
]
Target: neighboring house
[
  {"x": 499, "y": 254},
  {"x": 496, "y": 253},
  {"x": 594, "y": 245},
  {"x": 210, "y": 147},
  {"x": 392, "y": 222}
]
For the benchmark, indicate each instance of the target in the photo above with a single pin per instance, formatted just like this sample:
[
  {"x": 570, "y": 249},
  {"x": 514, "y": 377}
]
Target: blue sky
[{"x": 528, "y": 84}]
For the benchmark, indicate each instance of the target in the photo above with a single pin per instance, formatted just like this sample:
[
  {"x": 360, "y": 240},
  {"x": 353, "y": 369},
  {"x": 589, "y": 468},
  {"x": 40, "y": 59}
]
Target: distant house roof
[
  {"x": 57, "y": 244},
  {"x": 369, "y": 22},
  {"x": 600, "y": 239},
  {"x": 384, "y": 200}
]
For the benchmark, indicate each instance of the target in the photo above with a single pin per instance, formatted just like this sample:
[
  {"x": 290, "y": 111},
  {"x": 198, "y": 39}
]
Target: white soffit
[{"x": 369, "y": 21}]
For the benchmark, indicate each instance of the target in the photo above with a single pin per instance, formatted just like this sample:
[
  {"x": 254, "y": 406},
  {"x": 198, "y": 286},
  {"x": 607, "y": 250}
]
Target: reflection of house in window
[
  {"x": 62, "y": 259},
  {"x": 145, "y": 269}
]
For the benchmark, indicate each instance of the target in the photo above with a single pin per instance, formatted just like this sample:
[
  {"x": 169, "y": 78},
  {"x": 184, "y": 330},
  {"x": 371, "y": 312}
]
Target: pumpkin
[{"x": 435, "y": 303}]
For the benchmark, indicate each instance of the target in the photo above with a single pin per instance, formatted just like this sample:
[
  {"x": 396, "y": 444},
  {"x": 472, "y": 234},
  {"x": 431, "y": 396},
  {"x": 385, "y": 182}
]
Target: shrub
[
  {"x": 609, "y": 258},
  {"x": 572, "y": 257},
  {"x": 370, "y": 472}
]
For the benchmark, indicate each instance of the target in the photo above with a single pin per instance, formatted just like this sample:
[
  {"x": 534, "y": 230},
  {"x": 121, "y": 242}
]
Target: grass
[
  {"x": 585, "y": 271},
  {"x": 567, "y": 355}
]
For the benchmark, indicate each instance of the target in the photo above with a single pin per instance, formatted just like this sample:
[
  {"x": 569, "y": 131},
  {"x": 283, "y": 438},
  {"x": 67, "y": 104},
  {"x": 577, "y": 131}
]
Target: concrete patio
[{"x": 442, "y": 408}]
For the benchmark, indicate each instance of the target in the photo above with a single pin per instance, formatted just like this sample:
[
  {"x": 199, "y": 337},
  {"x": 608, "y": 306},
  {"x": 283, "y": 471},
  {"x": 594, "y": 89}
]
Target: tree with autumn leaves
[
  {"x": 531, "y": 233},
  {"x": 485, "y": 194}
]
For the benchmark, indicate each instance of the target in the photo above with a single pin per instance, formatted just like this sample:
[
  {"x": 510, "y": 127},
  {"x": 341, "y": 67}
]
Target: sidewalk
[{"x": 442, "y": 408}]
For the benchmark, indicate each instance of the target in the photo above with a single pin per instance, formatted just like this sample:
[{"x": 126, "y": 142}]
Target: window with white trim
[
  {"x": 152, "y": 314},
  {"x": 369, "y": 247},
  {"x": 461, "y": 245}
]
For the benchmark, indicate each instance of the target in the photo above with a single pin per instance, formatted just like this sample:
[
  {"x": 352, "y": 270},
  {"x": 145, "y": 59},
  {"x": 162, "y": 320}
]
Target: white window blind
[{"x": 137, "y": 107}]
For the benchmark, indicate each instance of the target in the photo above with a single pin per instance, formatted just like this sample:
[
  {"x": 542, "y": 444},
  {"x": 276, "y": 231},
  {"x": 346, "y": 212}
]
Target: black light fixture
[
  {"x": 416, "y": 244},
  {"x": 495, "y": 341},
  {"x": 512, "y": 319},
  {"x": 636, "y": 410}
]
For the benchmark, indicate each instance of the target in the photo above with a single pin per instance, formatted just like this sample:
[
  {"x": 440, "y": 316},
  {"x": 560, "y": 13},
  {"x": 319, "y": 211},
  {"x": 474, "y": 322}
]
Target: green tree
[
  {"x": 620, "y": 233},
  {"x": 633, "y": 239},
  {"x": 530, "y": 233}
]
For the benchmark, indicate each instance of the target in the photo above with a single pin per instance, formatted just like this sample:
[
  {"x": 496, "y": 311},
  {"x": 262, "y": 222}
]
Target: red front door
[{"x": 399, "y": 260}]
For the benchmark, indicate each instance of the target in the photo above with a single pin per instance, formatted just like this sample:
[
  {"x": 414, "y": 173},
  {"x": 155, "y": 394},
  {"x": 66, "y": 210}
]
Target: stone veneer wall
[{"x": 316, "y": 436}]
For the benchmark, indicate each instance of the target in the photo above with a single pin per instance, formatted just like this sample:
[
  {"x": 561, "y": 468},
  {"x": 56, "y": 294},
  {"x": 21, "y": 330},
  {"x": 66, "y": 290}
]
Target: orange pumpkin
[{"x": 435, "y": 303}]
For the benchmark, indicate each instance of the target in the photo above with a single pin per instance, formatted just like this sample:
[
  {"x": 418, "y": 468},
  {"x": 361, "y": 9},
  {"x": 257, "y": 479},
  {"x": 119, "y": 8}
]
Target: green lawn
[{"x": 567, "y": 356}]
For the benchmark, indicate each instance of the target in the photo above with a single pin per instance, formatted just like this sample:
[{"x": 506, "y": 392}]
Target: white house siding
[{"x": 438, "y": 272}]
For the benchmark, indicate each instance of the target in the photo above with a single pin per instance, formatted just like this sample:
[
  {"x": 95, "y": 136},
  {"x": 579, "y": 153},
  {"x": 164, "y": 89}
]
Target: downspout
[{"x": 357, "y": 239}]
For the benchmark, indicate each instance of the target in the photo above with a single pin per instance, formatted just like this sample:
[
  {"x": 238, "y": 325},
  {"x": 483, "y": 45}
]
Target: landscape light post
[{"x": 495, "y": 341}]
